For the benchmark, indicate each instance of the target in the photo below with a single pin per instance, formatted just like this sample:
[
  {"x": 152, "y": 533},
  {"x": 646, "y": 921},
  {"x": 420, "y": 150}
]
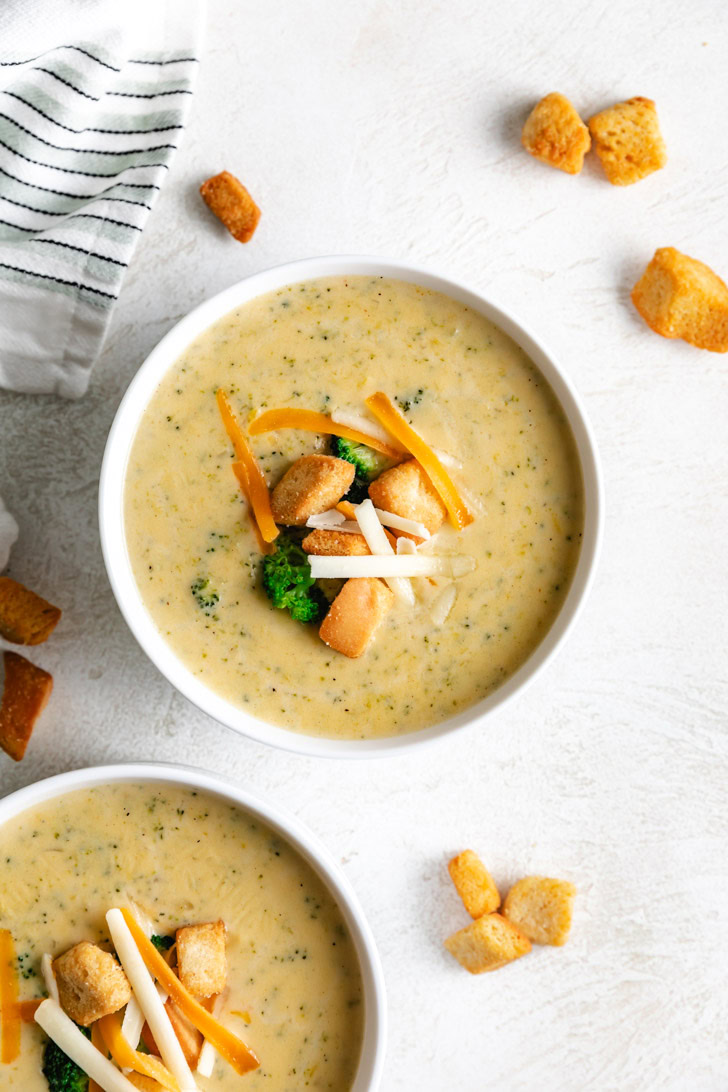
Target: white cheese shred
[
  {"x": 389, "y": 568},
  {"x": 380, "y": 546},
  {"x": 64, "y": 1033},
  {"x": 206, "y": 1060},
  {"x": 406, "y": 546},
  {"x": 401, "y": 523},
  {"x": 326, "y": 519},
  {"x": 442, "y": 604},
  {"x": 49, "y": 979},
  {"x": 149, "y": 1001}
]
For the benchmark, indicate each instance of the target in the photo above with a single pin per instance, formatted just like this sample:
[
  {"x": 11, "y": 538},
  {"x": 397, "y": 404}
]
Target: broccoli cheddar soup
[
  {"x": 390, "y": 532},
  {"x": 235, "y": 915}
]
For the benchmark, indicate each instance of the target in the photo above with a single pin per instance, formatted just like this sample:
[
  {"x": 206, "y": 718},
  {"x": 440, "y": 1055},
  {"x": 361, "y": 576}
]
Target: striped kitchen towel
[{"x": 93, "y": 99}]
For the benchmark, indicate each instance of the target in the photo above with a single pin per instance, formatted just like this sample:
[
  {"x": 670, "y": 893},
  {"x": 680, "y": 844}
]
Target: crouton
[
  {"x": 555, "y": 134},
  {"x": 201, "y": 962},
  {"x": 487, "y": 944},
  {"x": 407, "y": 491},
  {"x": 189, "y": 1037},
  {"x": 313, "y": 484},
  {"x": 474, "y": 884},
  {"x": 25, "y": 618},
  {"x": 355, "y": 615},
  {"x": 628, "y": 141},
  {"x": 26, "y": 691},
  {"x": 679, "y": 296},
  {"x": 229, "y": 200},
  {"x": 91, "y": 984},
  {"x": 335, "y": 542},
  {"x": 541, "y": 908}
]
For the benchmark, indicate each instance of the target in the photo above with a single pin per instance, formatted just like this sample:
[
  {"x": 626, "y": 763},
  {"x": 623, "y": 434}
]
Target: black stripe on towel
[
  {"x": 81, "y": 196},
  {"x": 9, "y": 64},
  {"x": 71, "y": 212},
  {"x": 173, "y": 60},
  {"x": 89, "y": 174},
  {"x": 106, "y": 219},
  {"x": 156, "y": 95},
  {"x": 48, "y": 72},
  {"x": 85, "y": 151},
  {"x": 88, "y": 129},
  {"x": 58, "y": 280},
  {"x": 81, "y": 250}
]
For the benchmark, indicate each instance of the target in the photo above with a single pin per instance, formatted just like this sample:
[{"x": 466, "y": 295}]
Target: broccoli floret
[
  {"x": 288, "y": 583},
  {"x": 206, "y": 596},
  {"x": 367, "y": 462},
  {"x": 62, "y": 1074},
  {"x": 162, "y": 944}
]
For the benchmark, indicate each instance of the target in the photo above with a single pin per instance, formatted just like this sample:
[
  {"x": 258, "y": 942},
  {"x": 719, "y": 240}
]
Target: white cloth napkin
[{"x": 93, "y": 99}]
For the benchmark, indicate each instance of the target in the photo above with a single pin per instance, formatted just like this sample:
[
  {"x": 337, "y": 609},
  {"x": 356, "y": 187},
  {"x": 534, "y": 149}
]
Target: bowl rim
[
  {"x": 113, "y": 475},
  {"x": 308, "y": 845}
]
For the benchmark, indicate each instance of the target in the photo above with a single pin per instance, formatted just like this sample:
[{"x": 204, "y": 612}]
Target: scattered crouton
[
  {"x": 555, "y": 134},
  {"x": 541, "y": 908},
  {"x": 201, "y": 961},
  {"x": 26, "y": 691},
  {"x": 335, "y": 542},
  {"x": 313, "y": 484},
  {"x": 232, "y": 204},
  {"x": 355, "y": 615},
  {"x": 25, "y": 618},
  {"x": 679, "y": 296},
  {"x": 487, "y": 944},
  {"x": 189, "y": 1037},
  {"x": 91, "y": 984},
  {"x": 474, "y": 884},
  {"x": 628, "y": 141},
  {"x": 407, "y": 491}
]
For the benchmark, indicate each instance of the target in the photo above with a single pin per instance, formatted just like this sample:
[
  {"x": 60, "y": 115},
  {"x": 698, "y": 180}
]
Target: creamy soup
[
  {"x": 295, "y": 990},
  {"x": 468, "y": 390}
]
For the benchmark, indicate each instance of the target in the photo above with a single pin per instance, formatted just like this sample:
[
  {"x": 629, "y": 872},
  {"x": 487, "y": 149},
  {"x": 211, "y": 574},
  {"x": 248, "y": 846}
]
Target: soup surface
[
  {"x": 295, "y": 991},
  {"x": 326, "y": 345}
]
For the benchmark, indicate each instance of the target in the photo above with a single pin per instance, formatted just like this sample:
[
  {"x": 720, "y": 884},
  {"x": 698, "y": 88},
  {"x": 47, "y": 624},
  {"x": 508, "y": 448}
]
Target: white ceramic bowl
[
  {"x": 111, "y": 496},
  {"x": 371, "y": 1063}
]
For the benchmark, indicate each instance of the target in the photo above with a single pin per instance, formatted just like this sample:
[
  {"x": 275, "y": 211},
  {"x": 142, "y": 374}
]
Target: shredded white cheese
[
  {"x": 445, "y": 459},
  {"x": 406, "y": 546},
  {"x": 49, "y": 979},
  {"x": 380, "y": 546},
  {"x": 389, "y": 568},
  {"x": 64, "y": 1033},
  {"x": 401, "y": 523},
  {"x": 149, "y": 1002},
  {"x": 206, "y": 1060},
  {"x": 331, "y": 518},
  {"x": 442, "y": 604}
]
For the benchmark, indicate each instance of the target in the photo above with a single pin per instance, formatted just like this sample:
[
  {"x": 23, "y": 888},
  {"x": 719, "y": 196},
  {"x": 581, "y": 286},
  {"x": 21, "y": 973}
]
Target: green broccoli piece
[
  {"x": 288, "y": 583},
  {"x": 206, "y": 596},
  {"x": 367, "y": 462},
  {"x": 62, "y": 1074},
  {"x": 162, "y": 944}
]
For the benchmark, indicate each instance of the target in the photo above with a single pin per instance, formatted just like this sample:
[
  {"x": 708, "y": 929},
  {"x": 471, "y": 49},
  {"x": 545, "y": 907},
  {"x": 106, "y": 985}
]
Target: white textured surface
[{"x": 393, "y": 128}]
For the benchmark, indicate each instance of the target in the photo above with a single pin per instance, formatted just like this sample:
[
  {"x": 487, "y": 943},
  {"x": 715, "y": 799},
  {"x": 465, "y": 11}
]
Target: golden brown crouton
[
  {"x": 487, "y": 944},
  {"x": 679, "y": 296},
  {"x": 335, "y": 542},
  {"x": 91, "y": 984},
  {"x": 555, "y": 134},
  {"x": 541, "y": 908},
  {"x": 26, "y": 691},
  {"x": 407, "y": 491},
  {"x": 189, "y": 1037},
  {"x": 313, "y": 484},
  {"x": 474, "y": 884},
  {"x": 201, "y": 962},
  {"x": 355, "y": 615},
  {"x": 25, "y": 618},
  {"x": 230, "y": 201},
  {"x": 628, "y": 141}
]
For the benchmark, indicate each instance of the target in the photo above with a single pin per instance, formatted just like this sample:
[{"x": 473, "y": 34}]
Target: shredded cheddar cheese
[
  {"x": 310, "y": 421},
  {"x": 126, "y": 1057},
  {"x": 252, "y": 481},
  {"x": 9, "y": 1008}
]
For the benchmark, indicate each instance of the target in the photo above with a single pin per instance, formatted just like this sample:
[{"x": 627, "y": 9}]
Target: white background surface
[{"x": 393, "y": 128}]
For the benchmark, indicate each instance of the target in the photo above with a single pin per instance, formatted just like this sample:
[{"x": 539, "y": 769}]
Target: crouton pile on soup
[
  {"x": 156, "y": 937},
  {"x": 353, "y": 507}
]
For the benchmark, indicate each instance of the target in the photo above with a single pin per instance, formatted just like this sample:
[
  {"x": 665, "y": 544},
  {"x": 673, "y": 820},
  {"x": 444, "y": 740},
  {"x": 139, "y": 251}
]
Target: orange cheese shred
[
  {"x": 125, "y": 1056},
  {"x": 265, "y": 547},
  {"x": 310, "y": 421},
  {"x": 9, "y": 1007},
  {"x": 256, "y": 488},
  {"x": 28, "y": 1009},
  {"x": 234, "y": 1050},
  {"x": 389, "y": 416},
  {"x": 97, "y": 1040}
]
